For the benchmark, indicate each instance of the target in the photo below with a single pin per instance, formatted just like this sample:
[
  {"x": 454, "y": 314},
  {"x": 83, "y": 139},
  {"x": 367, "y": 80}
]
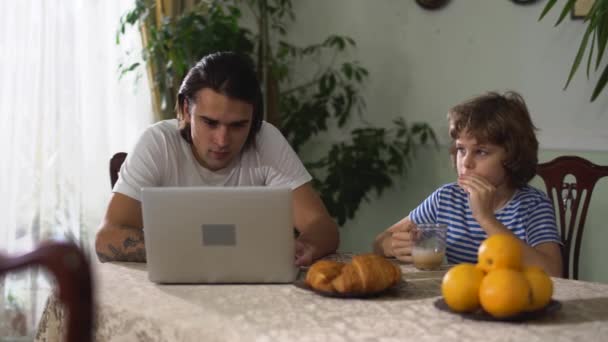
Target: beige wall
[{"x": 423, "y": 62}]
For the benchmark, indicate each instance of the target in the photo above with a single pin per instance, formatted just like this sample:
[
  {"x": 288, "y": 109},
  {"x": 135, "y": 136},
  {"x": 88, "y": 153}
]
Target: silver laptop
[{"x": 219, "y": 234}]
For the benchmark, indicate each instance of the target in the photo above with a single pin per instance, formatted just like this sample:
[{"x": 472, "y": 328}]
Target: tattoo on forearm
[
  {"x": 133, "y": 242},
  {"x": 138, "y": 255},
  {"x": 103, "y": 257},
  {"x": 131, "y": 249}
]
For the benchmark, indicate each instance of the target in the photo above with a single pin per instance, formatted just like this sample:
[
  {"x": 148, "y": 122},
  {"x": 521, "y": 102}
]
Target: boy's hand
[
  {"x": 481, "y": 196},
  {"x": 401, "y": 242}
]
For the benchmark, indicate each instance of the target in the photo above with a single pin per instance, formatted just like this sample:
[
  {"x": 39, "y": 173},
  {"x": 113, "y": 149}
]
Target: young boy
[{"x": 494, "y": 149}]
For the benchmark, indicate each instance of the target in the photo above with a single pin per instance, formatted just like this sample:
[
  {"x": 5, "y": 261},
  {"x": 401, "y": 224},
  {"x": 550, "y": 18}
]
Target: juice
[{"x": 427, "y": 259}]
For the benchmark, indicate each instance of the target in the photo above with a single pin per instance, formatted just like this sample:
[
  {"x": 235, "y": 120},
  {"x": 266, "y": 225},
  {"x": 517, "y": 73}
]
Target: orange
[
  {"x": 460, "y": 287},
  {"x": 541, "y": 287},
  {"x": 500, "y": 251},
  {"x": 504, "y": 293}
]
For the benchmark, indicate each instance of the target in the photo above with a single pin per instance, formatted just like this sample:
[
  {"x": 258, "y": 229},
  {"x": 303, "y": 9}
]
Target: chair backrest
[
  {"x": 571, "y": 200},
  {"x": 115, "y": 163},
  {"x": 73, "y": 274}
]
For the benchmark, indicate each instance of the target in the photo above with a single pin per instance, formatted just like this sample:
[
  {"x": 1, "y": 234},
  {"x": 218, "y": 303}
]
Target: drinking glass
[{"x": 429, "y": 245}]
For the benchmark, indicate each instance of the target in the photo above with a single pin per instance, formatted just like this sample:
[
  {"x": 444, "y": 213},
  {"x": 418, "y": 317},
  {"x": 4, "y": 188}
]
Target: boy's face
[
  {"x": 484, "y": 160},
  {"x": 219, "y": 126}
]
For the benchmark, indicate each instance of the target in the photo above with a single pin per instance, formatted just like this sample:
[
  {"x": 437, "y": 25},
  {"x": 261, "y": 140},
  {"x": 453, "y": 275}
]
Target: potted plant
[
  {"x": 349, "y": 169},
  {"x": 594, "y": 40}
]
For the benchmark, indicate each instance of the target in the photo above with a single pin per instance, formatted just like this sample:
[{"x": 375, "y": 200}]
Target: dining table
[{"x": 129, "y": 307}]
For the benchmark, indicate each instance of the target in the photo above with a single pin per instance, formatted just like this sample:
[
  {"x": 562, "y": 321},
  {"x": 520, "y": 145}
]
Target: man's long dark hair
[{"x": 229, "y": 74}]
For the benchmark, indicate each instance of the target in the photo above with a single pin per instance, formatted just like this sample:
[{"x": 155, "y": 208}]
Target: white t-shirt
[{"x": 161, "y": 157}]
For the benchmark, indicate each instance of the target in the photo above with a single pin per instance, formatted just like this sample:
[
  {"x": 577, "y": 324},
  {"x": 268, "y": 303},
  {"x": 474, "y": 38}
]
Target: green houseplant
[
  {"x": 595, "y": 39},
  {"x": 348, "y": 170}
]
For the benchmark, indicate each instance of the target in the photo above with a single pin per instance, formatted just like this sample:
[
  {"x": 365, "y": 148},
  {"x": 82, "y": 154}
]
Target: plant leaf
[
  {"x": 547, "y": 8},
  {"x": 579, "y": 55},
  {"x": 602, "y": 35},
  {"x": 567, "y": 8},
  {"x": 601, "y": 83},
  {"x": 590, "y": 55}
]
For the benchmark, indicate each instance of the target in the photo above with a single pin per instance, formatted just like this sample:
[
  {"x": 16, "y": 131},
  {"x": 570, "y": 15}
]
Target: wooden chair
[
  {"x": 115, "y": 163},
  {"x": 567, "y": 198},
  {"x": 73, "y": 274}
]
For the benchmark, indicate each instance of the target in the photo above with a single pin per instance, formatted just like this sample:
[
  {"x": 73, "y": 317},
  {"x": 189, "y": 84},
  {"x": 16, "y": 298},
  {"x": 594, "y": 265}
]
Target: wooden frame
[{"x": 581, "y": 8}]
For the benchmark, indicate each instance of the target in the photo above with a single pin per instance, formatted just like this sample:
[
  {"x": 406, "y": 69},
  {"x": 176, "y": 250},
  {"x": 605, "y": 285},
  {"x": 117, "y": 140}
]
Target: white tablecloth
[{"x": 131, "y": 308}]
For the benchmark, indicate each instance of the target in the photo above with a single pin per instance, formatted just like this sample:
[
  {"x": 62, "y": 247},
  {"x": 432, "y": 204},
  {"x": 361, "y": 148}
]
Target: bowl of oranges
[{"x": 500, "y": 286}]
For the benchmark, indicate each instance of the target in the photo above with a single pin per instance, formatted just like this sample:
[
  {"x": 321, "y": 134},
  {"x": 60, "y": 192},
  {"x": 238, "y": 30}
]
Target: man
[{"x": 218, "y": 139}]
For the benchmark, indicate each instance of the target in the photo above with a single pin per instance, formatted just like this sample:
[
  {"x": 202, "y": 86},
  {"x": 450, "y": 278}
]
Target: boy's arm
[
  {"x": 545, "y": 255},
  {"x": 481, "y": 198},
  {"x": 120, "y": 237}
]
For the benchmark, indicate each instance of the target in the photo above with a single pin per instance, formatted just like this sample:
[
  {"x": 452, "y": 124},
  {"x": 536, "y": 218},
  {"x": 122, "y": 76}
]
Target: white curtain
[{"x": 63, "y": 113}]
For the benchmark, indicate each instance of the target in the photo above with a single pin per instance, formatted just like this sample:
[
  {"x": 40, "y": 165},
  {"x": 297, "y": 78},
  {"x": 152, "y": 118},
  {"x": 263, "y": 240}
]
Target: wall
[{"x": 423, "y": 62}]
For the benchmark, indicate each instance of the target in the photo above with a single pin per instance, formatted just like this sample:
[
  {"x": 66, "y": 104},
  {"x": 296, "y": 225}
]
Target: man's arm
[
  {"x": 121, "y": 235},
  {"x": 318, "y": 231}
]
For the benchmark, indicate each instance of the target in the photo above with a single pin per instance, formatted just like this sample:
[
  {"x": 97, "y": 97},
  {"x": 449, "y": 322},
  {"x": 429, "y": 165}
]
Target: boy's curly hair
[{"x": 502, "y": 120}]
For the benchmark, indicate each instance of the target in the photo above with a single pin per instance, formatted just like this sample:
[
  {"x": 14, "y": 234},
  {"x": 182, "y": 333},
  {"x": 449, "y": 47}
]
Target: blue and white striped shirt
[{"x": 529, "y": 215}]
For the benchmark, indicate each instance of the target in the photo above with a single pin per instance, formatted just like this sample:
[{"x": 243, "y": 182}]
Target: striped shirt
[{"x": 529, "y": 215}]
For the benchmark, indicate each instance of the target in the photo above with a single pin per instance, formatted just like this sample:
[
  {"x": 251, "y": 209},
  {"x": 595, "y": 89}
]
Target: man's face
[{"x": 219, "y": 126}]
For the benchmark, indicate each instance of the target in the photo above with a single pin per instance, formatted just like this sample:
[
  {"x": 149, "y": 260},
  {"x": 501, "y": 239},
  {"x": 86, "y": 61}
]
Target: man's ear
[{"x": 186, "y": 111}]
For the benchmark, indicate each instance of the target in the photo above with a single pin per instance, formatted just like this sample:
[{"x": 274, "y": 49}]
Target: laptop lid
[{"x": 219, "y": 234}]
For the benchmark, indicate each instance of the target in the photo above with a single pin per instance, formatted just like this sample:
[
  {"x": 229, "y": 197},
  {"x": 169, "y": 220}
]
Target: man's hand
[
  {"x": 304, "y": 253},
  {"x": 318, "y": 231}
]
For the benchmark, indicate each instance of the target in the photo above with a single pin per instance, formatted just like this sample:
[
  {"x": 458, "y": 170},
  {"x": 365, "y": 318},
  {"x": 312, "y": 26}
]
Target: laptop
[{"x": 219, "y": 234}]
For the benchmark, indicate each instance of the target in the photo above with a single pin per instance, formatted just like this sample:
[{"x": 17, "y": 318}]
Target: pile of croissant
[{"x": 368, "y": 273}]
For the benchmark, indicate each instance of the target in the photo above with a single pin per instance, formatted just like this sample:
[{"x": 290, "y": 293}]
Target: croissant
[
  {"x": 366, "y": 273},
  {"x": 322, "y": 273}
]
